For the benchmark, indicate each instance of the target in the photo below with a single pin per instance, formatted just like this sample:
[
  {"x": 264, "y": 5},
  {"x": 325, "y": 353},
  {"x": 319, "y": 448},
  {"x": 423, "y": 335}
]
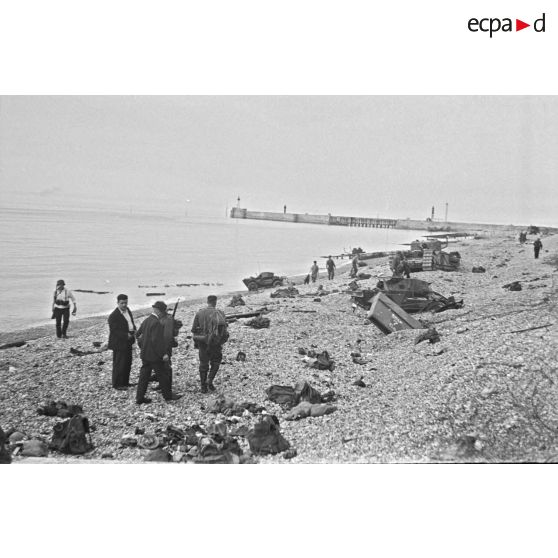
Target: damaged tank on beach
[
  {"x": 412, "y": 295},
  {"x": 428, "y": 255}
]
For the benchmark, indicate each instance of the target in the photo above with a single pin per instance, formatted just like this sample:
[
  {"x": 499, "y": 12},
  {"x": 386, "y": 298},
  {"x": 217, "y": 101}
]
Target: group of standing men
[
  {"x": 156, "y": 338},
  {"x": 314, "y": 270}
]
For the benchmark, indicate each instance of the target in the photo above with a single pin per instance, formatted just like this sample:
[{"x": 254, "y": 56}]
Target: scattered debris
[
  {"x": 532, "y": 328},
  {"x": 237, "y": 300},
  {"x": 259, "y": 322},
  {"x": 514, "y": 286},
  {"x": 288, "y": 292},
  {"x": 229, "y": 407},
  {"x": 359, "y": 382},
  {"x": 12, "y": 345},
  {"x": 59, "y": 409},
  {"x": 478, "y": 269},
  {"x": 291, "y": 396},
  {"x": 430, "y": 335},
  {"x": 149, "y": 441},
  {"x": 306, "y": 409},
  {"x": 265, "y": 437},
  {"x": 89, "y": 291},
  {"x": 158, "y": 455},
  {"x": 78, "y": 352},
  {"x": 241, "y": 356},
  {"x": 34, "y": 448},
  {"x": 72, "y": 436}
]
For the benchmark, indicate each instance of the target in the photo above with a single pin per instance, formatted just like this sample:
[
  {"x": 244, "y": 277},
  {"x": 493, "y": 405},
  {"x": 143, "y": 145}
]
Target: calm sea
[{"x": 139, "y": 253}]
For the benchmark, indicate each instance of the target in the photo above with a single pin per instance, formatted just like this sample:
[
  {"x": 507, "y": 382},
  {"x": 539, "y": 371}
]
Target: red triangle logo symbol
[{"x": 519, "y": 25}]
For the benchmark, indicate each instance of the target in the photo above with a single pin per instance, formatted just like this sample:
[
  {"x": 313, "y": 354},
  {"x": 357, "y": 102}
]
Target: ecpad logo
[{"x": 492, "y": 25}]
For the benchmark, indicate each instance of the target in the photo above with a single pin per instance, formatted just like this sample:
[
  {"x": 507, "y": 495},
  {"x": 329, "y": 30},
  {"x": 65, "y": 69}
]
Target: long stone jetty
[{"x": 376, "y": 222}]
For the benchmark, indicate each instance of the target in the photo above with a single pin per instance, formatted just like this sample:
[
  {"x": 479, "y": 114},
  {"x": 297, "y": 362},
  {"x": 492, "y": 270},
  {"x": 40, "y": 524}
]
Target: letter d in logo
[{"x": 539, "y": 24}]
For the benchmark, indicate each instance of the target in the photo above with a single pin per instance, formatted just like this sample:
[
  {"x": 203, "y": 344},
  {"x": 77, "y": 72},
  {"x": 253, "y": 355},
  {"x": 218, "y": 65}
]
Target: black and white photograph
[
  {"x": 206, "y": 279},
  {"x": 317, "y": 241}
]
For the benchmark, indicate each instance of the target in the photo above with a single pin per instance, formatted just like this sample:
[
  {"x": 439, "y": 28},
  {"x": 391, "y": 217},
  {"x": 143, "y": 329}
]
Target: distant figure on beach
[
  {"x": 314, "y": 271},
  {"x": 284, "y": 209},
  {"x": 406, "y": 268},
  {"x": 151, "y": 340},
  {"x": 61, "y": 308},
  {"x": 330, "y": 264},
  {"x": 522, "y": 237},
  {"x": 210, "y": 332},
  {"x": 354, "y": 266},
  {"x": 122, "y": 336},
  {"x": 537, "y": 245},
  {"x": 396, "y": 266}
]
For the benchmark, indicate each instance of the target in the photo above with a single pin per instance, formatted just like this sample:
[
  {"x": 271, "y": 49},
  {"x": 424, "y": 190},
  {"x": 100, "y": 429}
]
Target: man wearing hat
[
  {"x": 61, "y": 308},
  {"x": 121, "y": 339},
  {"x": 151, "y": 340}
]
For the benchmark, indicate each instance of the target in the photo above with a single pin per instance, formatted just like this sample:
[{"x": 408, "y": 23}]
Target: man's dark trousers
[
  {"x": 209, "y": 357},
  {"x": 61, "y": 314},
  {"x": 162, "y": 374},
  {"x": 121, "y": 365}
]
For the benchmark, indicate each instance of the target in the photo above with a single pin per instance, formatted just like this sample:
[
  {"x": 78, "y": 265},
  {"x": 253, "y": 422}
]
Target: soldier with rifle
[{"x": 171, "y": 328}]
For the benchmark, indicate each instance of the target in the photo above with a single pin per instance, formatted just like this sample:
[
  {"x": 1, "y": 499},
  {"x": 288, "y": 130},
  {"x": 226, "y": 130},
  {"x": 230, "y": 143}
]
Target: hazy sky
[{"x": 493, "y": 159}]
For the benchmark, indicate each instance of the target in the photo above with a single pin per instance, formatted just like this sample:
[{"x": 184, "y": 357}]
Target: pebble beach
[{"x": 486, "y": 392}]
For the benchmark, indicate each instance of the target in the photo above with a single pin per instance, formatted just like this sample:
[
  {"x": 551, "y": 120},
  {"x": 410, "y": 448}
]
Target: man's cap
[
  {"x": 121, "y": 297},
  {"x": 60, "y": 282},
  {"x": 160, "y": 305},
  {"x": 211, "y": 298}
]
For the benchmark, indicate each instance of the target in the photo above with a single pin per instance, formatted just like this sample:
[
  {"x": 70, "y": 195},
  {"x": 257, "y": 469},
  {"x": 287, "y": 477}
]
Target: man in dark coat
[
  {"x": 537, "y": 245},
  {"x": 122, "y": 332},
  {"x": 151, "y": 340}
]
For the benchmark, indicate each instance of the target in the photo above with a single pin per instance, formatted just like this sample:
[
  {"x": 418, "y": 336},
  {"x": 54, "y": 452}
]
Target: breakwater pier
[{"x": 374, "y": 222}]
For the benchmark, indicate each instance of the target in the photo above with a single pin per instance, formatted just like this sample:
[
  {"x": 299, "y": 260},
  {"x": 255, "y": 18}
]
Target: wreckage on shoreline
[{"x": 412, "y": 295}]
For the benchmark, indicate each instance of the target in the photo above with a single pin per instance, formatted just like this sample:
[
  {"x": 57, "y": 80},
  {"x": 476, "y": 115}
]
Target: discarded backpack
[
  {"x": 72, "y": 436},
  {"x": 305, "y": 392},
  {"x": 264, "y": 438}
]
